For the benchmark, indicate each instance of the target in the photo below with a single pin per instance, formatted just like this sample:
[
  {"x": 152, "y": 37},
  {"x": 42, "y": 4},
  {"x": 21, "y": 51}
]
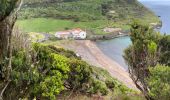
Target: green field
[
  {"x": 50, "y": 25},
  {"x": 53, "y": 25}
]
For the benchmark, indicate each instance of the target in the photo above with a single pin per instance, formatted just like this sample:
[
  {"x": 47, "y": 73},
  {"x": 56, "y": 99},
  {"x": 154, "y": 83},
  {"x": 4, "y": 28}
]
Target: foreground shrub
[
  {"x": 98, "y": 87},
  {"x": 54, "y": 70},
  {"x": 159, "y": 82},
  {"x": 164, "y": 46},
  {"x": 80, "y": 75},
  {"x": 110, "y": 84},
  {"x": 45, "y": 71}
]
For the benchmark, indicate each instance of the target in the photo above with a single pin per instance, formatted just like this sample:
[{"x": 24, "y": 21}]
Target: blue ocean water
[
  {"x": 160, "y": 8},
  {"x": 114, "y": 48}
]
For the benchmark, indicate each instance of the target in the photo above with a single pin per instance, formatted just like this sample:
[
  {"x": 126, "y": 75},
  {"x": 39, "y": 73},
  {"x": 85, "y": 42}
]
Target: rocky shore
[
  {"x": 116, "y": 34},
  {"x": 107, "y": 36}
]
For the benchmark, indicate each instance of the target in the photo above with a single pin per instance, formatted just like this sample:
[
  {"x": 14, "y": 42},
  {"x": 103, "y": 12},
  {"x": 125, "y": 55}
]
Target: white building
[{"x": 74, "y": 33}]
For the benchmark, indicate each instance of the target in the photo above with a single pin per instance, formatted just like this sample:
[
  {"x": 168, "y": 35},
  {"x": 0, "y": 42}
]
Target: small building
[{"x": 74, "y": 33}]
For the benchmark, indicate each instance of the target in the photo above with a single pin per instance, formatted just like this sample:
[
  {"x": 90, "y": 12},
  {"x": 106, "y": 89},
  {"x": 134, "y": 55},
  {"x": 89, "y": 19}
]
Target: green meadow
[{"x": 52, "y": 25}]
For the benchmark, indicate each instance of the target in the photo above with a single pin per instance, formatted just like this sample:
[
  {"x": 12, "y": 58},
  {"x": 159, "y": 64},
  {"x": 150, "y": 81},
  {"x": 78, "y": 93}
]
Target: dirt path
[{"x": 93, "y": 55}]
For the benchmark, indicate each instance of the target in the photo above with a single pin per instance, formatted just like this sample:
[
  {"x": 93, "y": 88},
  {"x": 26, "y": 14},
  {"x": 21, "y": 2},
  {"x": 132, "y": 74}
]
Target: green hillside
[{"x": 111, "y": 13}]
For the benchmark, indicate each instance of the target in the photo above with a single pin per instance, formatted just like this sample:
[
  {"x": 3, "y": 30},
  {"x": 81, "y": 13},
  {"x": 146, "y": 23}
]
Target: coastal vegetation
[
  {"x": 30, "y": 70},
  {"x": 147, "y": 57},
  {"x": 90, "y": 15},
  {"x": 36, "y": 71},
  {"x": 46, "y": 72}
]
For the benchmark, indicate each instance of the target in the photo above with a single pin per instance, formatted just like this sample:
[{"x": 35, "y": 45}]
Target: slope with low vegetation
[
  {"x": 91, "y": 15},
  {"x": 47, "y": 73}
]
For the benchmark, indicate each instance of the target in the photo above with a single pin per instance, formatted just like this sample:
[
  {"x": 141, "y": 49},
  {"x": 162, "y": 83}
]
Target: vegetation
[
  {"x": 164, "y": 45},
  {"x": 89, "y": 15},
  {"x": 37, "y": 71},
  {"x": 45, "y": 72},
  {"x": 143, "y": 54},
  {"x": 83, "y": 10},
  {"x": 50, "y": 25},
  {"x": 158, "y": 82}
]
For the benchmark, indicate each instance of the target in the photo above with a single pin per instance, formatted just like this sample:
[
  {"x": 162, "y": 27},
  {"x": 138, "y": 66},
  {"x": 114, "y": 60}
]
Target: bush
[
  {"x": 54, "y": 71},
  {"x": 110, "y": 84},
  {"x": 80, "y": 74},
  {"x": 46, "y": 72},
  {"x": 98, "y": 87},
  {"x": 164, "y": 44},
  {"x": 159, "y": 82}
]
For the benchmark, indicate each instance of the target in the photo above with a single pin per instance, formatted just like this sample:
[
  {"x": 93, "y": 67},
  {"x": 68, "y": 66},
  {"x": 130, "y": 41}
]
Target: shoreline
[
  {"x": 112, "y": 35},
  {"x": 108, "y": 36},
  {"x": 90, "y": 53}
]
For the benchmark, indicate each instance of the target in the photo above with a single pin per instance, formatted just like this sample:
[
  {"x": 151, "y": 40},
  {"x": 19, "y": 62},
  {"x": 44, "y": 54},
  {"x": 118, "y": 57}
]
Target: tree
[
  {"x": 7, "y": 20},
  {"x": 164, "y": 46},
  {"x": 158, "y": 82},
  {"x": 141, "y": 54},
  {"x": 6, "y": 24}
]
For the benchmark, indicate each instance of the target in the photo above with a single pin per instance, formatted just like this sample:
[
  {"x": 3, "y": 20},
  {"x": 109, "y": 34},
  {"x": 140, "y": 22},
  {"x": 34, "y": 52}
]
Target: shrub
[
  {"x": 110, "y": 84},
  {"x": 80, "y": 74},
  {"x": 54, "y": 71},
  {"x": 159, "y": 82},
  {"x": 98, "y": 87},
  {"x": 47, "y": 72},
  {"x": 164, "y": 45}
]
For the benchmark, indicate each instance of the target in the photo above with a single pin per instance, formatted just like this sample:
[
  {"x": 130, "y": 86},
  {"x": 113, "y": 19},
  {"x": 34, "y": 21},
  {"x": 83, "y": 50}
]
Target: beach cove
[
  {"x": 114, "y": 48},
  {"x": 107, "y": 54},
  {"x": 89, "y": 52}
]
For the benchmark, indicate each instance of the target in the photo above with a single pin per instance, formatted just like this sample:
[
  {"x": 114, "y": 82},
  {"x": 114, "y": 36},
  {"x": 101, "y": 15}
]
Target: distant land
[{"x": 92, "y": 15}]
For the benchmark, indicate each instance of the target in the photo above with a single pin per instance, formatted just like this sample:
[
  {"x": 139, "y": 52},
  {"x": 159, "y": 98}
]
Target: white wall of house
[
  {"x": 80, "y": 35},
  {"x": 83, "y": 35}
]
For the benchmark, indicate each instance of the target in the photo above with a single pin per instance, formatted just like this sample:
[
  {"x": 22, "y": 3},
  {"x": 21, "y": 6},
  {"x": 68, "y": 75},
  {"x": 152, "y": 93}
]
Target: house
[
  {"x": 74, "y": 33},
  {"x": 78, "y": 33}
]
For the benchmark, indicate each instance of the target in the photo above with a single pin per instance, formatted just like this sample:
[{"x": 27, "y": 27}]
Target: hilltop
[{"x": 92, "y": 15}]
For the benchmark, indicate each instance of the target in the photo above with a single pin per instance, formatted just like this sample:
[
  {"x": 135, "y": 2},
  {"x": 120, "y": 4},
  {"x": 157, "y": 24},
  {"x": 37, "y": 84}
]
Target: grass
[{"x": 50, "y": 25}]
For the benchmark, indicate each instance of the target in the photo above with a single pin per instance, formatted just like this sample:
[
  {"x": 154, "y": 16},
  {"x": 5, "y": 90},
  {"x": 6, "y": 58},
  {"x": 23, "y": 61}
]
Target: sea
[{"x": 114, "y": 48}]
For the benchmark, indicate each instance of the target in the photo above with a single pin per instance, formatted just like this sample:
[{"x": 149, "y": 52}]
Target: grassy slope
[
  {"x": 47, "y": 16},
  {"x": 53, "y": 25}
]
